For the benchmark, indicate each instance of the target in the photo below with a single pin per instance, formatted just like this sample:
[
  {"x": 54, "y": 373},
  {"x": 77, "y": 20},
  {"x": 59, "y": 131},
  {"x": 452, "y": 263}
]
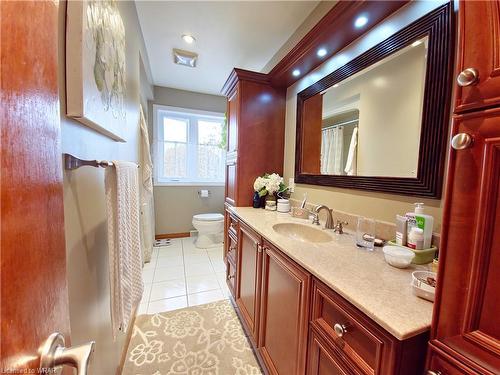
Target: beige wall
[
  {"x": 84, "y": 207},
  {"x": 390, "y": 107},
  {"x": 176, "y": 205},
  {"x": 380, "y": 206}
]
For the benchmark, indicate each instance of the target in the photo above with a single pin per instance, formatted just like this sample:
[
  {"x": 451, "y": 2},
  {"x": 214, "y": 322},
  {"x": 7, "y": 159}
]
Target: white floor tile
[
  {"x": 147, "y": 275},
  {"x": 196, "y": 284},
  {"x": 219, "y": 266},
  {"x": 168, "y": 289},
  {"x": 167, "y": 305},
  {"x": 221, "y": 278},
  {"x": 205, "y": 297},
  {"x": 146, "y": 293},
  {"x": 198, "y": 269},
  {"x": 142, "y": 309},
  {"x": 193, "y": 258},
  {"x": 173, "y": 261},
  {"x": 215, "y": 255},
  {"x": 168, "y": 273}
]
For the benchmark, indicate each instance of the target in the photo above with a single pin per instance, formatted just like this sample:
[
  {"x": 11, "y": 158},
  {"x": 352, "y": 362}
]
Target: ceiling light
[
  {"x": 360, "y": 21},
  {"x": 336, "y": 85},
  {"x": 296, "y": 73},
  {"x": 188, "y": 38},
  {"x": 416, "y": 43},
  {"x": 321, "y": 52},
  {"x": 185, "y": 58}
]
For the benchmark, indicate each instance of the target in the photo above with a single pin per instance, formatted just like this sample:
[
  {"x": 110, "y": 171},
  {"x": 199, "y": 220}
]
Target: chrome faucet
[{"x": 329, "y": 216}]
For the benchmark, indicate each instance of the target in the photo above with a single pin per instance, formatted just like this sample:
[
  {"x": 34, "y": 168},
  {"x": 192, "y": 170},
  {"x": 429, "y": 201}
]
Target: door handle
[{"x": 54, "y": 354}]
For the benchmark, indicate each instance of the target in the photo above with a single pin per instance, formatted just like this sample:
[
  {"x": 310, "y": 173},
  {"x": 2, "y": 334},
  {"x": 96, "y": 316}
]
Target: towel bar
[{"x": 72, "y": 162}]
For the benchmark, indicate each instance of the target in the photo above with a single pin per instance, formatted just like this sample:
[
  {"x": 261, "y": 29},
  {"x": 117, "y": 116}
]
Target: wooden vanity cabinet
[
  {"x": 465, "y": 334},
  {"x": 249, "y": 268},
  {"x": 466, "y": 322},
  {"x": 479, "y": 49},
  {"x": 323, "y": 360},
  {"x": 284, "y": 313}
]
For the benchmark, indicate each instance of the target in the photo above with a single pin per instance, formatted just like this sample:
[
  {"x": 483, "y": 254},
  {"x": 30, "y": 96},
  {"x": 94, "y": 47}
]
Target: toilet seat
[{"x": 208, "y": 217}]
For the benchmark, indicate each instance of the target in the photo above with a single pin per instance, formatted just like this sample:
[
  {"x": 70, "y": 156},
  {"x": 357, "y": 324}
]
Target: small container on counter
[
  {"x": 283, "y": 205},
  {"x": 416, "y": 238},
  {"x": 271, "y": 205}
]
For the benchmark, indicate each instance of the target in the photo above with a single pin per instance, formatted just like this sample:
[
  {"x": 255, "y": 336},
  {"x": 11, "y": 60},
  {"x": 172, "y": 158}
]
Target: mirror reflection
[{"x": 370, "y": 122}]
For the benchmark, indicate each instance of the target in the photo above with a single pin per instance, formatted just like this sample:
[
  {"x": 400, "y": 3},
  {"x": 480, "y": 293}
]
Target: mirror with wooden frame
[{"x": 380, "y": 122}]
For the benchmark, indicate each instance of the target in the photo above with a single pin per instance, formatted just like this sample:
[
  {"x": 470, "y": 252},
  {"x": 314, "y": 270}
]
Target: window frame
[{"x": 192, "y": 131}]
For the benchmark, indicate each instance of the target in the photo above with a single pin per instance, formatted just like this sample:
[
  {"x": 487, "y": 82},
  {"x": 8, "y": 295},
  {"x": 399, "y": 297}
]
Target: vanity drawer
[
  {"x": 231, "y": 276},
  {"x": 232, "y": 225},
  {"x": 232, "y": 247},
  {"x": 347, "y": 329}
]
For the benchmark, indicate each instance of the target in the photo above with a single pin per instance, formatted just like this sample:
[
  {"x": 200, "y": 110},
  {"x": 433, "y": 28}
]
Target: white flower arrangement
[{"x": 269, "y": 184}]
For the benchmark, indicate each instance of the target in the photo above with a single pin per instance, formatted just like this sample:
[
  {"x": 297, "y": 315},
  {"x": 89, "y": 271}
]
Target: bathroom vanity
[{"x": 311, "y": 302}]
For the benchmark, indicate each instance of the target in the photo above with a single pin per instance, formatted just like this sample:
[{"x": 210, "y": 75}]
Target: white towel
[
  {"x": 351, "y": 165},
  {"x": 125, "y": 259},
  {"x": 147, "y": 201}
]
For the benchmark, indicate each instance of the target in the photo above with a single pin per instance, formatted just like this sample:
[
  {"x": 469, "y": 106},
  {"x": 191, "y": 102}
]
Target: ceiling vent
[{"x": 185, "y": 58}]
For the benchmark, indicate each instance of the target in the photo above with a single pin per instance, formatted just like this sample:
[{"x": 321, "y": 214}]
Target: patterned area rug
[{"x": 200, "y": 340}]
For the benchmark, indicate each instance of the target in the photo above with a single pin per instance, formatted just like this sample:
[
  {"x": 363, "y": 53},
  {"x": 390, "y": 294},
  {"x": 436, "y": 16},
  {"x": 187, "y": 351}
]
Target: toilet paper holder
[{"x": 204, "y": 193}]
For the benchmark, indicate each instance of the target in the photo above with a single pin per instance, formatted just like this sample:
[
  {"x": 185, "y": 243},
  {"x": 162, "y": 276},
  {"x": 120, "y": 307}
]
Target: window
[{"x": 189, "y": 146}]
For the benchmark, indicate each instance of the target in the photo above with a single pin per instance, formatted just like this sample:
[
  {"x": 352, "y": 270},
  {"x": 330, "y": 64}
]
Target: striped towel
[{"x": 124, "y": 243}]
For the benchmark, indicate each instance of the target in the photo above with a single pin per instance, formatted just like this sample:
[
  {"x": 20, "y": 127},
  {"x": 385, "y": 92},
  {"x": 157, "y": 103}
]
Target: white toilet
[{"x": 210, "y": 230}]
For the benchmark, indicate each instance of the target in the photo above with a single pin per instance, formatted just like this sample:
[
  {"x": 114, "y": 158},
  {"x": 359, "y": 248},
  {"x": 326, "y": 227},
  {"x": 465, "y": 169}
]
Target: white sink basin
[{"x": 301, "y": 232}]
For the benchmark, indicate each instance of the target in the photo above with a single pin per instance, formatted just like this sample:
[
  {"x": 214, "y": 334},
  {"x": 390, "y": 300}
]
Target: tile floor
[{"x": 182, "y": 275}]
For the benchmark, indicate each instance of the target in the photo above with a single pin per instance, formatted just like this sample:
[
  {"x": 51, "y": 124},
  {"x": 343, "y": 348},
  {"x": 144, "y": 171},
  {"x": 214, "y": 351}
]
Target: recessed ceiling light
[
  {"x": 321, "y": 52},
  {"x": 336, "y": 85},
  {"x": 188, "y": 38},
  {"x": 416, "y": 43},
  {"x": 185, "y": 58},
  {"x": 361, "y": 21},
  {"x": 296, "y": 73}
]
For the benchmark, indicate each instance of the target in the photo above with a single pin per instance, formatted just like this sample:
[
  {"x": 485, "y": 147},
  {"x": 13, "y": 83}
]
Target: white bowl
[
  {"x": 398, "y": 256},
  {"x": 422, "y": 289}
]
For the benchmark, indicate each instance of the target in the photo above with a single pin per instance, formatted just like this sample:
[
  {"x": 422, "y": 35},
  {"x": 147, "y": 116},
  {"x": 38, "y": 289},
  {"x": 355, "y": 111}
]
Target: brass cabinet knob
[
  {"x": 468, "y": 77},
  {"x": 461, "y": 141}
]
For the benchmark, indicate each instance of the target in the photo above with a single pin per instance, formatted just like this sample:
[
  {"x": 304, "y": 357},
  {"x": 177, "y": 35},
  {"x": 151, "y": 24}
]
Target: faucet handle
[
  {"x": 315, "y": 218},
  {"x": 339, "y": 227}
]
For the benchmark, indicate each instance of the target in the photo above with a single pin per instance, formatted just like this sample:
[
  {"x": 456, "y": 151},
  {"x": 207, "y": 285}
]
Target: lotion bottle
[{"x": 420, "y": 220}]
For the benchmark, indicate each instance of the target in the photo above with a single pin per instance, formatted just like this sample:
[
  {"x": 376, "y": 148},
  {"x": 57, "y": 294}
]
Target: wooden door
[
  {"x": 479, "y": 49},
  {"x": 467, "y": 303},
  {"x": 34, "y": 296},
  {"x": 248, "y": 278},
  {"x": 284, "y": 313},
  {"x": 321, "y": 358}
]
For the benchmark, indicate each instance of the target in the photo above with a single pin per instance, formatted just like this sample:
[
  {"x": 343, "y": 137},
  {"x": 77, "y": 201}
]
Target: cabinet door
[
  {"x": 284, "y": 314},
  {"x": 479, "y": 49},
  {"x": 440, "y": 365},
  {"x": 233, "y": 113},
  {"x": 248, "y": 278},
  {"x": 322, "y": 359},
  {"x": 468, "y": 306},
  {"x": 231, "y": 178}
]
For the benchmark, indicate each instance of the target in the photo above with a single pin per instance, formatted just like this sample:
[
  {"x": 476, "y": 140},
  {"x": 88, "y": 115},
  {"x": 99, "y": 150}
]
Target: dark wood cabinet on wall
[
  {"x": 465, "y": 337},
  {"x": 255, "y": 132}
]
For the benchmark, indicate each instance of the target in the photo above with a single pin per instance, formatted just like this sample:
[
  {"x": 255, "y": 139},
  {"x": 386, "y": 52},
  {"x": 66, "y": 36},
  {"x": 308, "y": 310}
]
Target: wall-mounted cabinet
[{"x": 255, "y": 132}]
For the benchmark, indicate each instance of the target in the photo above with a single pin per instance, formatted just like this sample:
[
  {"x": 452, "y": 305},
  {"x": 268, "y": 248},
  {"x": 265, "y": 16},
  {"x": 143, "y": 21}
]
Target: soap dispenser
[{"x": 420, "y": 220}]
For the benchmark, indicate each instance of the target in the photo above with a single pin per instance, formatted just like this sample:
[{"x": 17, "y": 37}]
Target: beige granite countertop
[{"x": 362, "y": 277}]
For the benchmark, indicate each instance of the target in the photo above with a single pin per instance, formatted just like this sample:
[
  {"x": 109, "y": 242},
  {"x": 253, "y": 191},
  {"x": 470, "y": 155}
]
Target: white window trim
[{"x": 182, "y": 112}]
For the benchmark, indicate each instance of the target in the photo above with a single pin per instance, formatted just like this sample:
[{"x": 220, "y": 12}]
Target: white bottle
[
  {"x": 416, "y": 238},
  {"x": 420, "y": 220}
]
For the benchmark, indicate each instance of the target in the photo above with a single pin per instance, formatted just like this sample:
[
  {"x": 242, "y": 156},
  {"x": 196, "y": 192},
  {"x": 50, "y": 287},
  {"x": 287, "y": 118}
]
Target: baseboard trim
[{"x": 172, "y": 235}]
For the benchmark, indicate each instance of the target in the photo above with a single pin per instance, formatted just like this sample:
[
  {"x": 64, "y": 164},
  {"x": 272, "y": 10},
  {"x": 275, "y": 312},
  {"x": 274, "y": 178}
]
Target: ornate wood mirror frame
[{"x": 438, "y": 27}]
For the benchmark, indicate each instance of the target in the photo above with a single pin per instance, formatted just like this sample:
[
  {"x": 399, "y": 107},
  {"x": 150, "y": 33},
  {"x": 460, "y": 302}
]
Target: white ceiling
[{"x": 243, "y": 34}]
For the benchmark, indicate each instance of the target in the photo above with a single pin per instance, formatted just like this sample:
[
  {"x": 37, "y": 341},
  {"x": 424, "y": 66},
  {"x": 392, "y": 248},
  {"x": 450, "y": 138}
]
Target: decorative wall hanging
[{"x": 95, "y": 66}]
